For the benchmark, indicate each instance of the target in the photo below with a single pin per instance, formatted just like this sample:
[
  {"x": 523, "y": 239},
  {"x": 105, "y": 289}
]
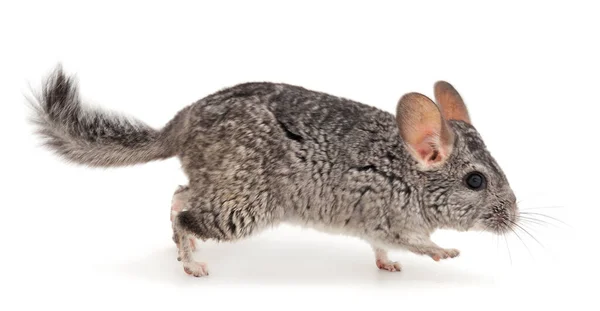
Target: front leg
[
  {"x": 424, "y": 246},
  {"x": 383, "y": 262}
]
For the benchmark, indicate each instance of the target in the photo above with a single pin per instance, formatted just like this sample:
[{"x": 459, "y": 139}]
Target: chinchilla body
[{"x": 259, "y": 154}]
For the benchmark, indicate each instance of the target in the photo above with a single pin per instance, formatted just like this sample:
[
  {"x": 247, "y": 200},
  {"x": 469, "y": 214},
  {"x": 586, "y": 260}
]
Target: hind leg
[
  {"x": 184, "y": 237},
  {"x": 226, "y": 219},
  {"x": 178, "y": 204}
]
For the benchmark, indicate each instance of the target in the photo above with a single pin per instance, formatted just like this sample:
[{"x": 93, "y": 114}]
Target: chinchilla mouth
[{"x": 501, "y": 218}]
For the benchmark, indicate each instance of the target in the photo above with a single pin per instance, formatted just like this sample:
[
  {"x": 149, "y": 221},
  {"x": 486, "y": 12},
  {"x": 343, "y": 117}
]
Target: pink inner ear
[
  {"x": 423, "y": 152},
  {"x": 428, "y": 147},
  {"x": 428, "y": 153}
]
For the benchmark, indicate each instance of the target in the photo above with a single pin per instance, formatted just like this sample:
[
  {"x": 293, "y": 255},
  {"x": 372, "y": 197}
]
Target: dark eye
[{"x": 475, "y": 181}]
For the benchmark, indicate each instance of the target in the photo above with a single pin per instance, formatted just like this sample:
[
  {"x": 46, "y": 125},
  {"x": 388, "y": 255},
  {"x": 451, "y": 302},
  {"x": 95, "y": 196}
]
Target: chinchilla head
[{"x": 463, "y": 186}]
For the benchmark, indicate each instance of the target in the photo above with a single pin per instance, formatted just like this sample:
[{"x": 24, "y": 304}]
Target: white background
[{"x": 77, "y": 238}]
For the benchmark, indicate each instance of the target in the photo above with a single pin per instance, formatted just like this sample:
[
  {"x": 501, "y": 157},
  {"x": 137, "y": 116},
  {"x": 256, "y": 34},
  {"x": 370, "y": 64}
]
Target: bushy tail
[{"x": 96, "y": 138}]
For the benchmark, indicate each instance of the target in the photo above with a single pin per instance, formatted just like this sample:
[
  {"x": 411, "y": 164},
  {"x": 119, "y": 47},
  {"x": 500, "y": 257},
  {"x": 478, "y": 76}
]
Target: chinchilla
[{"x": 260, "y": 154}]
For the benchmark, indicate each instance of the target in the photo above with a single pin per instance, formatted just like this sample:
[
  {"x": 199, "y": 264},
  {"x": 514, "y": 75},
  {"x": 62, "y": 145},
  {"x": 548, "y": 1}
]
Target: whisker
[
  {"x": 497, "y": 243},
  {"x": 535, "y": 221},
  {"x": 509, "y": 255},
  {"x": 518, "y": 236},
  {"x": 527, "y": 232},
  {"x": 541, "y": 207},
  {"x": 525, "y": 225},
  {"x": 547, "y": 216},
  {"x": 528, "y": 228}
]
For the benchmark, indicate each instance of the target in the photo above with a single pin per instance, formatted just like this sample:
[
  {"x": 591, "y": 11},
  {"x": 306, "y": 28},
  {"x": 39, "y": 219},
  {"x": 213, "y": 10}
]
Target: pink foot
[
  {"x": 195, "y": 268},
  {"x": 444, "y": 254},
  {"x": 392, "y": 266}
]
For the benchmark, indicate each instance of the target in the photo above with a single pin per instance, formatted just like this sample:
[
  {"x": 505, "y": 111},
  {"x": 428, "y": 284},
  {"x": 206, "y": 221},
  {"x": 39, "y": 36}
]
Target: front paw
[
  {"x": 442, "y": 253},
  {"x": 392, "y": 266}
]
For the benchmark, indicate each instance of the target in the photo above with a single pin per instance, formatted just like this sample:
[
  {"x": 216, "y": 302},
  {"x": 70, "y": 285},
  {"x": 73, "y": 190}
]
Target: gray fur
[
  {"x": 259, "y": 154},
  {"x": 97, "y": 138}
]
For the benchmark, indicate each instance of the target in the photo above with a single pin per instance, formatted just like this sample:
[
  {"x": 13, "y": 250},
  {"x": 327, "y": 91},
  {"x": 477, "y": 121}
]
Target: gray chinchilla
[{"x": 259, "y": 154}]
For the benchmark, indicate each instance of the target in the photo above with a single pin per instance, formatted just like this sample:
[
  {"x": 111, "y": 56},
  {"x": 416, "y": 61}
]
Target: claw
[
  {"x": 196, "y": 269},
  {"x": 388, "y": 265},
  {"x": 445, "y": 254}
]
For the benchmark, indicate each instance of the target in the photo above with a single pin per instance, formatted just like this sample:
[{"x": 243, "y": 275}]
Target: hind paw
[{"x": 195, "y": 268}]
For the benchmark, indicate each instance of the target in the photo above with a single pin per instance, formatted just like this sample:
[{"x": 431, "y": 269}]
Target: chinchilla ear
[
  {"x": 424, "y": 131},
  {"x": 452, "y": 105}
]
